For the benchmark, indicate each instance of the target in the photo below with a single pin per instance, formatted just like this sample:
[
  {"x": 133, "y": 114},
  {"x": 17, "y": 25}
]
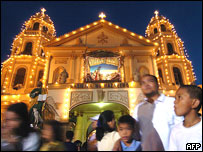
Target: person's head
[
  {"x": 17, "y": 119},
  {"x": 126, "y": 127},
  {"x": 149, "y": 85},
  {"x": 52, "y": 131},
  {"x": 106, "y": 123},
  {"x": 78, "y": 143},
  {"x": 94, "y": 121},
  {"x": 39, "y": 84},
  {"x": 69, "y": 135},
  {"x": 188, "y": 98}
]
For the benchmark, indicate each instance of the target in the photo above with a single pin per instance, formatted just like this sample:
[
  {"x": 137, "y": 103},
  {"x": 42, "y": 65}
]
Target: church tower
[
  {"x": 173, "y": 66},
  {"x": 26, "y": 65}
]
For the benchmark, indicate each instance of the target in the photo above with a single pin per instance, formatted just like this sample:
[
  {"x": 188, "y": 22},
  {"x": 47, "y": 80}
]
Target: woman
[
  {"x": 106, "y": 133},
  {"x": 52, "y": 136},
  {"x": 16, "y": 131}
]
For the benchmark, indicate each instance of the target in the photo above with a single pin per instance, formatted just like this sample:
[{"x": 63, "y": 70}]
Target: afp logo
[{"x": 193, "y": 146}]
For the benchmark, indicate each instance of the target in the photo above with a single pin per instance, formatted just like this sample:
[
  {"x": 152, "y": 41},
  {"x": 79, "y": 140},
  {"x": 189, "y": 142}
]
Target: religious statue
[
  {"x": 62, "y": 77},
  {"x": 36, "y": 103},
  {"x": 37, "y": 117},
  {"x": 136, "y": 76}
]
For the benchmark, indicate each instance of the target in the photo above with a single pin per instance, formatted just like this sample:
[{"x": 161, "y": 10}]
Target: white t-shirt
[
  {"x": 108, "y": 141},
  {"x": 164, "y": 117},
  {"x": 181, "y": 135}
]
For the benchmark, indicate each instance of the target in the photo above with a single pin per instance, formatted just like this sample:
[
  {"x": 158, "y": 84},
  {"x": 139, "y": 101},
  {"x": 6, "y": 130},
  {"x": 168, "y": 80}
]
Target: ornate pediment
[{"x": 100, "y": 34}]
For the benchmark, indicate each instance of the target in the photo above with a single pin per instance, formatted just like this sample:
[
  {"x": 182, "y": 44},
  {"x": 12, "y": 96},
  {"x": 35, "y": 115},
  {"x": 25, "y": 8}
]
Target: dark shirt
[{"x": 69, "y": 146}]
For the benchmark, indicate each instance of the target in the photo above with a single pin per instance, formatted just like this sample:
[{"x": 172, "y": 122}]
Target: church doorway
[{"x": 81, "y": 116}]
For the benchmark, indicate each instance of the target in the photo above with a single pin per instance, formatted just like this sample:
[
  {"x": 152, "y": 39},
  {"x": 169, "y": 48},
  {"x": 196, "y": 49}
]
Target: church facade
[{"x": 93, "y": 68}]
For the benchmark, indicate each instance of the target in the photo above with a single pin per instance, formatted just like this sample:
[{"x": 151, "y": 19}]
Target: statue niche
[{"x": 60, "y": 75}]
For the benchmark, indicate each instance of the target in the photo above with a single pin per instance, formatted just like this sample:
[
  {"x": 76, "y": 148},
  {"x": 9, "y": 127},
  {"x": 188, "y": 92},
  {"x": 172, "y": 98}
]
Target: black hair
[
  {"x": 21, "y": 110},
  {"x": 78, "y": 143},
  {"x": 57, "y": 130},
  {"x": 149, "y": 75},
  {"x": 103, "y": 127},
  {"x": 127, "y": 119},
  {"x": 195, "y": 92},
  {"x": 69, "y": 135}
]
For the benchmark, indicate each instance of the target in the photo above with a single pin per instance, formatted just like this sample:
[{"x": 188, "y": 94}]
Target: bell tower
[
  {"x": 26, "y": 65},
  {"x": 173, "y": 66}
]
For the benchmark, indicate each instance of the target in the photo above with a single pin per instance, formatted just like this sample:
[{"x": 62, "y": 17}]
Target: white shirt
[
  {"x": 32, "y": 142},
  {"x": 164, "y": 117},
  {"x": 108, "y": 141},
  {"x": 181, "y": 135}
]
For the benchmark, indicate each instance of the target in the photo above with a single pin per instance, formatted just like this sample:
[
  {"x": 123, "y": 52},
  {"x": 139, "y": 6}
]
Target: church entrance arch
[{"x": 81, "y": 115}]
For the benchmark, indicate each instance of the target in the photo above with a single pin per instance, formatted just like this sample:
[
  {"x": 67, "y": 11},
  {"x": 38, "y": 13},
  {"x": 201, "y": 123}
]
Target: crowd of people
[{"x": 159, "y": 123}]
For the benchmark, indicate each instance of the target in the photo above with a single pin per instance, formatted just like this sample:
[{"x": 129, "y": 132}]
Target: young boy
[
  {"x": 126, "y": 130},
  {"x": 188, "y": 102}
]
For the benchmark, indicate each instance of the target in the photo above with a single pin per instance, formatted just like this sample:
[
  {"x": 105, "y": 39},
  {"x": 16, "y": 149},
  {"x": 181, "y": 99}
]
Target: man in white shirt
[{"x": 155, "y": 115}]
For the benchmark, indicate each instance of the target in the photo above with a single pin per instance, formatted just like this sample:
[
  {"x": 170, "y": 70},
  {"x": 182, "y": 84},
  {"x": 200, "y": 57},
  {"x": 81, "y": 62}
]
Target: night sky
[{"x": 186, "y": 16}]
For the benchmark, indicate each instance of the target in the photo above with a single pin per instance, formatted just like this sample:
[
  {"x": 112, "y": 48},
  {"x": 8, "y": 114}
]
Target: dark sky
[{"x": 186, "y": 16}]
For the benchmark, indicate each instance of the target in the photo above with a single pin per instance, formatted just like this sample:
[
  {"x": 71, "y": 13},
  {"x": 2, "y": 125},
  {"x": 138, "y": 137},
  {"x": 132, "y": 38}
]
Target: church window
[
  {"x": 163, "y": 28},
  {"x": 44, "y": 29},
  {"x": 158, "y": 53},
  {"x": 155, "y": 30},
  {"x": 28, "y": 48},
  {"x": 170, "y": 49},
  {"x": 41, "y": 73},
  {"x": 36, "y": 26},
  {"x": 19, "y": 78},
  {"x": 177, "y": 76},
  {"x": 161, "y": 76}
]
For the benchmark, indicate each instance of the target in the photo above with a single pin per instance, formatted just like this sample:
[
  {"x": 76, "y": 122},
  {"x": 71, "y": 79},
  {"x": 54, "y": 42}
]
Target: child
[
  {"x": 126, "y": 130},
  {"x": 188, "y": 102}
]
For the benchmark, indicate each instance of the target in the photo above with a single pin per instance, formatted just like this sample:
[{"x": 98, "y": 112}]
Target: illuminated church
[{"x": 93, "y": 68}]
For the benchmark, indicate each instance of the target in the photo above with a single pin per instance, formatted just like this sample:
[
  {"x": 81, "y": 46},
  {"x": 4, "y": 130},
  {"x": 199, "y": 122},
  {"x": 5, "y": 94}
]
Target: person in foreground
[
  {"x": 126, "y": 129},
  {"x": 52, "y": 136},
  {"x": 188, "y": 102},
  {"x": 155, "y": 115},
  {"x": 68, "y": 144},
  {"x": 16, "y": 133},
  {"x": 106, "y": 133}
]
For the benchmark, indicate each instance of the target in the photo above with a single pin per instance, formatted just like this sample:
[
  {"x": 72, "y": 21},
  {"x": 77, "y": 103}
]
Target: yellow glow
[
  {"x": 74, "y": 32},
  {"x": 95, "y": 23},
  {"x": 117, "y": 26},
  {"x": 132, "y": 84},
  {"x": 148, "y": 40},
  {"x": 73, "y": 84},
  {"x": 102, "y": 15},
  {"x": 66, "y": 35},
  {"x": 81, "y": 28},
  {"x": 116, "y": 84},
  {"x": 102, "y": 85},
  {"x": 124, "y": 30},
  {"x": 110, "y": 23},
  {"x": 133, "y": 34},
  {"x": 57, "y": 39},
  {"x": 141, "y": 37},
  {"x": 87, "y": 26}
]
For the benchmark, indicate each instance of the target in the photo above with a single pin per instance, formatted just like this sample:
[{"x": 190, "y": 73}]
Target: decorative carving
[
  {"x": 142, "y": 59},
  {"x": 100, "y": 94},
  {"x": 78, "y": 97},
  {"x": 61, "y": 61},
  {"x": 118, "y": 96},
  {"x": 102, "y": 38},
  {"x": 125, "y": 42}
]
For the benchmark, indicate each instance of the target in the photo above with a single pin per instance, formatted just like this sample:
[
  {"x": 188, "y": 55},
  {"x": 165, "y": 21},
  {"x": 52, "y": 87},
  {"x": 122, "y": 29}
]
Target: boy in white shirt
[{"x": 188, "y": 102}]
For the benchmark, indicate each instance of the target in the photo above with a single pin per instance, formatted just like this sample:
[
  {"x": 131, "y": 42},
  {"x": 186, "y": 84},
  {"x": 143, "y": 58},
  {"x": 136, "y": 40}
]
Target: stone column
[{"x": 78, "y": 129}]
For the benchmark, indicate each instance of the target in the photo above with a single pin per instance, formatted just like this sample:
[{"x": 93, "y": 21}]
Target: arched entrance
[{"x": 81, "y": 116}]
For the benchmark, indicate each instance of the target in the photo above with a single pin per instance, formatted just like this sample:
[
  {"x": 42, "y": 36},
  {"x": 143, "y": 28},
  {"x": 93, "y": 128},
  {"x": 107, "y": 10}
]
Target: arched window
[
  {"x": 155, "y": 30},
  {"x": 19, "y": 78},
  {"x": 158, "y": 53},
  {"x": 36, "y": 26},
  {"x": 42, "y": 53},
  {"x": 163, "y": 28},
  {"x": 28, "y": 49},
  {"x": 41, "y": 73},
  {"x": 44, "y": 29},
  {"x": 161, "y": 76},
  {"x": 170, "y": 49},
  {"x": 177, "y": 76}
]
